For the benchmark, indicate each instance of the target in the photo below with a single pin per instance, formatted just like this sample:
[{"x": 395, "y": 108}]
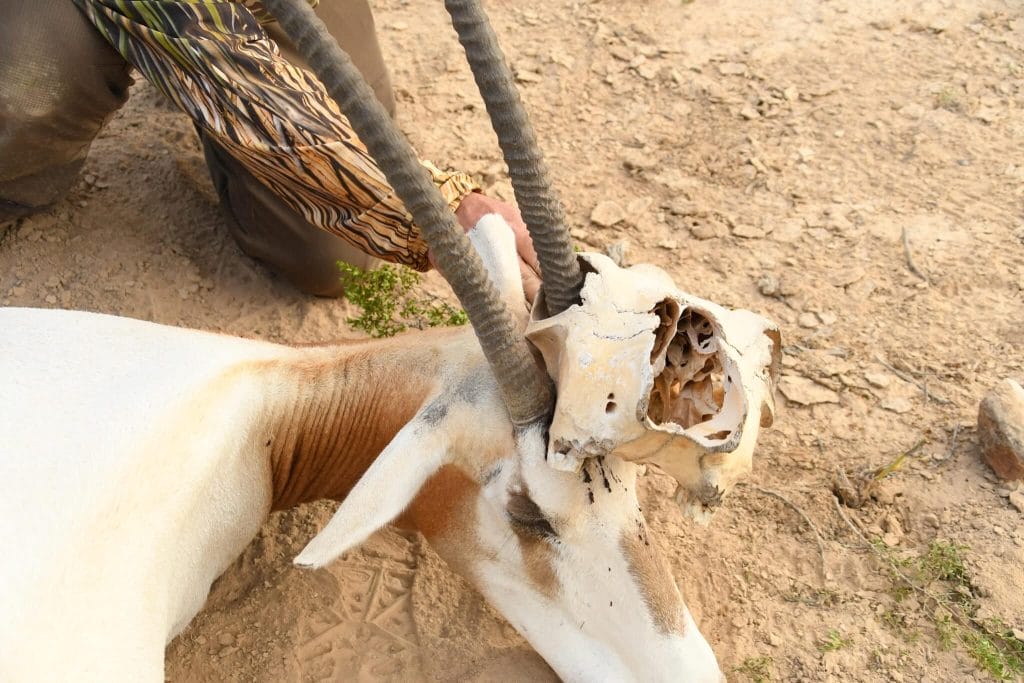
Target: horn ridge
[
  {"x": 538, "y": 201},
  {"x": 524, "y": 384}
]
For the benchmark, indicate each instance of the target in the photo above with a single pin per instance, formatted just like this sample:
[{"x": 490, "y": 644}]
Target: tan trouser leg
[
  {"x": 264, "y": 226},
  {"x": 59, "y": 83}
]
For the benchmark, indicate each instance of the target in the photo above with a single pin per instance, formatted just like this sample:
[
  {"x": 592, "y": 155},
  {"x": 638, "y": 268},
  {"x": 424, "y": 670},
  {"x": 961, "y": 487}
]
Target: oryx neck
[{"x": 334, "y": 409}]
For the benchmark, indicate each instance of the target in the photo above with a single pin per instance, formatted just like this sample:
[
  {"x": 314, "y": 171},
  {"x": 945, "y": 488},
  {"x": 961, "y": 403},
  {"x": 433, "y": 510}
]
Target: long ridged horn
[
  {"x": 538, "y": 201},
  {"x": 524, "y": 385}
]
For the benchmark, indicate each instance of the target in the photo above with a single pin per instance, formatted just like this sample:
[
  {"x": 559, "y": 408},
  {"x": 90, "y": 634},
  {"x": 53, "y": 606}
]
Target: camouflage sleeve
[{"x": 215, "y": 61}]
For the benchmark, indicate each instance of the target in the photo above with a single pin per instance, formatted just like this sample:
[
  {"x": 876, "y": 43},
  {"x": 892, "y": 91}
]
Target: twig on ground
[
  {"x": 796, "y": 508},
  {"x": 907, "y": 377},
  {"x": 849, "y": 522},
  {"x": 910, "y": 258}
]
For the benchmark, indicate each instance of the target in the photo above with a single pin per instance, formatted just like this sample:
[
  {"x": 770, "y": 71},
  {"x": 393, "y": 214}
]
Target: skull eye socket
[{"x": 527, "y": 517}]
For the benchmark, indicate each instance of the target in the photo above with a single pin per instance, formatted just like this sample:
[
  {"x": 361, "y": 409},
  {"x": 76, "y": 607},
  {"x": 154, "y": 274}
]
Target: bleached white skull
[{"x": 655, "y": 375}]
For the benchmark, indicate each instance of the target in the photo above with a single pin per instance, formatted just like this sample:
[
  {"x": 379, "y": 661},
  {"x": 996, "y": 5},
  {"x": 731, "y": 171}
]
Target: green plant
[
  {"x": 949, "y": 98},
  {"x": 940, "y": 575},
  {"x": 389, "y": 304},
  {"x": 832, "y": 642},
  {"x": 757, "y": 669}
]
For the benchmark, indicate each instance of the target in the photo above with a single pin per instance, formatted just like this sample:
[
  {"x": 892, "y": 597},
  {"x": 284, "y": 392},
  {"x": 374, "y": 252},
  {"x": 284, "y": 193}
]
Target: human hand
[{"x": 475, "y": 206}]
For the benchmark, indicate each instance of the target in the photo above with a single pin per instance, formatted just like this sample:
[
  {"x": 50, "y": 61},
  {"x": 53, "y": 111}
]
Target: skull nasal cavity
[
  {"x": 668, "y": 314},
  {"x": 611, "y": 405}
]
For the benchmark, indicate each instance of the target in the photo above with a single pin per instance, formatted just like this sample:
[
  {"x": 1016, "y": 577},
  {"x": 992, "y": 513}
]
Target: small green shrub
[
  {"x": 389, "y": 302},
  {"x": 757, "y": 669},
  {"x": 832, "y": 642}
]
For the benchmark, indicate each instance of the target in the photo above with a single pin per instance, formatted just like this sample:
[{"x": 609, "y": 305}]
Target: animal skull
[{"x": 655, "y": 375}]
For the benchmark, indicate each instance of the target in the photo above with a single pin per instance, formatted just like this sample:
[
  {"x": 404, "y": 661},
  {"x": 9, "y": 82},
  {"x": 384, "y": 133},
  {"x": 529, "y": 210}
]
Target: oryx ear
[
  {"x": 384, "y": 491},
  {"x": 495, "y": 242}
]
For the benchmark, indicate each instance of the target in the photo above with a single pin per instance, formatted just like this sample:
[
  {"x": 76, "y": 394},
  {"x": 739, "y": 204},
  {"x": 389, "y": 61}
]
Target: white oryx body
[
  {"x": 130, "y": 481},
  {"x": 137, "y": 461}
]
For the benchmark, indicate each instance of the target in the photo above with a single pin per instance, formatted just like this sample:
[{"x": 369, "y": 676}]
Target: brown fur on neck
[{"x": 341, "y": 407}]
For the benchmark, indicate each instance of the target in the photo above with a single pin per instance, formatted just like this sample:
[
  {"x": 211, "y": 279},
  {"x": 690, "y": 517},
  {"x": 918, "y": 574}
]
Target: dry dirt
[{"x": 769, "y": 155}]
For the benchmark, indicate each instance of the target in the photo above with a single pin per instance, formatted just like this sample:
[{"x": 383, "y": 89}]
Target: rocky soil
[{"x": 853, "y": 170}]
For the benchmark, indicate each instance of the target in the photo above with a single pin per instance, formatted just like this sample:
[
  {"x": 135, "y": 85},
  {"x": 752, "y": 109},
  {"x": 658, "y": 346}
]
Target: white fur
[
  {"x": 125, "y": 490},
  {"x": 133, "y": 471}
]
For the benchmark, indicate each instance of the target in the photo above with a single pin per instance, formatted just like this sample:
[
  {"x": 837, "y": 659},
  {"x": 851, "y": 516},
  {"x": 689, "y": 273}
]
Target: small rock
[
  {"x": 806, "y": 392},
  {"x": 898, "y": 405},
  {"x": 707, "y": 228},
  {"x": 1001, "y": 429},
  {"x": 807, "y": 320},
  {"x": 681, "y": 110},
  {"x": 768, "y": 285},
  {"x": 51, "y": 299},
  {"x": 774, "y": 640},
  {"x": 648, "y": 71},
  {"x": 622, "y": 53},
  {"x": 732, "y": 69},
  {"x": 616, "y": 251},
  {"x": 891, "y": 525},
  {"x": 671, "y": 245},
  {"x": 878, "y": 379},
  {"x": 844, "y": 277},
  {"x": 607, "y": 214},
  {"x": 579, "y": 233},
  {"x": 1017, "y": 500},
  {"x": 748, "y": 231},
  {"x": 931, "y": 520},
  {"x": 828, "y": 318},
  {"x": 638, "y": 159},
  {"x": 749, "y": 113},
  {"x": 226, "y": 639},
  {"x": 891, "y": 540}
]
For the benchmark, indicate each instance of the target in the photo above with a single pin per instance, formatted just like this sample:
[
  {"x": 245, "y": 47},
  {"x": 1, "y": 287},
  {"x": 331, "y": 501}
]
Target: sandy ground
[{"x": 769, "y": 155}]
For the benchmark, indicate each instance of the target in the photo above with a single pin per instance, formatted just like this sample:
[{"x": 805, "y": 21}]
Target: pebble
[
  {"x": 749, "y": 113},
  {"x": 607, "y": 214},
  {"x": 804, "y": 391},
  {"x": 648, "y": 71},
  {"x": 748, "y": 231},
  {"x": 616, "y": 251},
  {"x": 768, "y": 285},
  {"x": 1016, "y": 499},
  {"x": 1001, "y": 429},
  {"x": 878, "y": 379},
  {"x": 898, "y": 405},
  {"x": 807, "y": 320},
  {"x": 827, "y": 318},
  {"x": 732, "y": 69},
  {"x": 226, "y": 639}
]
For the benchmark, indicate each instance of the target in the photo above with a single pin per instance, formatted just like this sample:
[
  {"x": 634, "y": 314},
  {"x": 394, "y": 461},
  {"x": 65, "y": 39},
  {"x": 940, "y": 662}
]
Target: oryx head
[
  {"x": 563, "y": 551},
  {"x": 656, "y": 375}
]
